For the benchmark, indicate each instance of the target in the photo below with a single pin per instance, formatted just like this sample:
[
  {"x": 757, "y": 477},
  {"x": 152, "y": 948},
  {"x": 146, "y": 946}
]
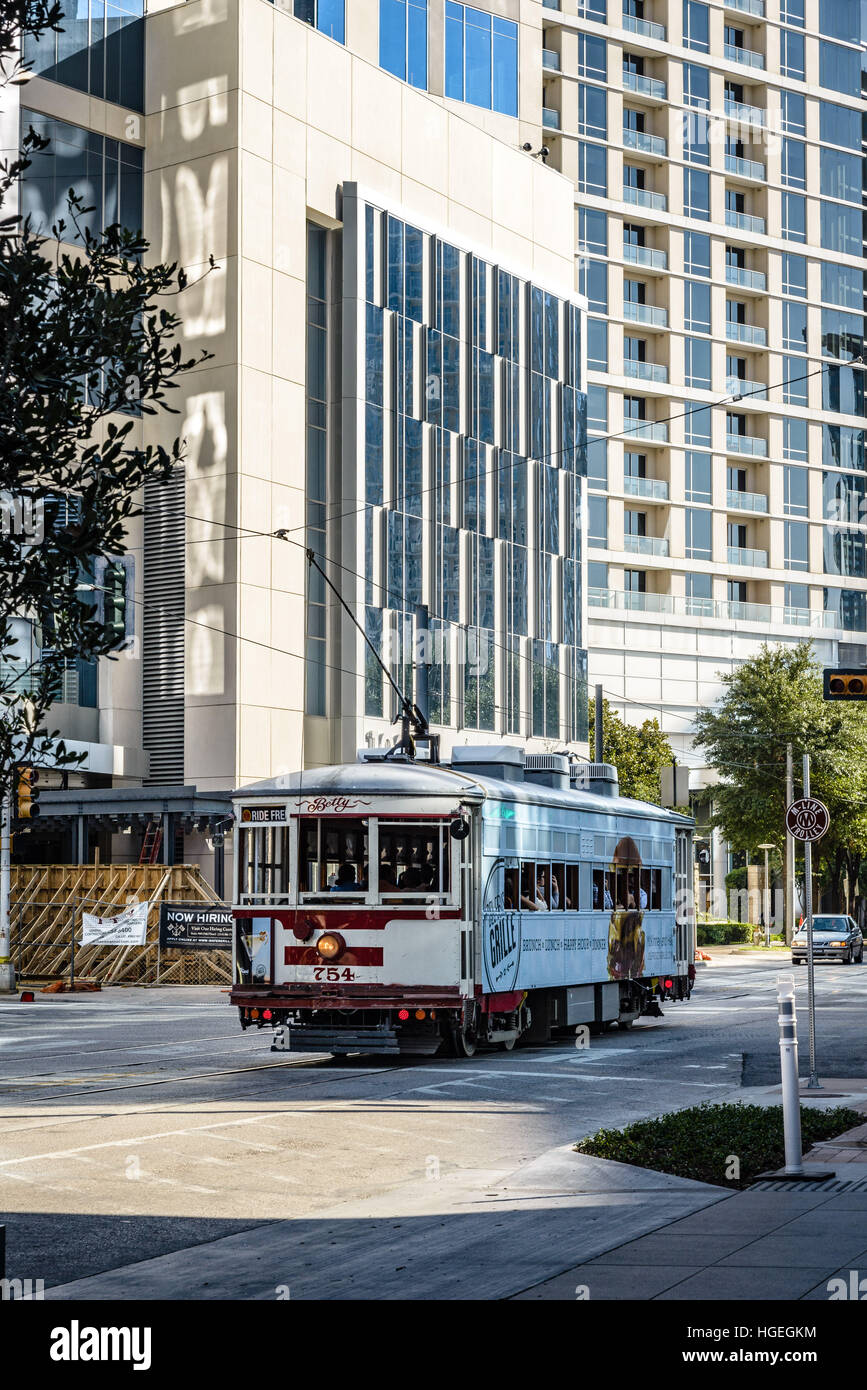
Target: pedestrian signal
[
  {"x": 847, "y": 683},
  {"x": 27, "y": 795}
]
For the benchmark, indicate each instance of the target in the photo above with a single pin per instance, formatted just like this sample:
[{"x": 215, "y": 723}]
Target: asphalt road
[{"x": 138, "y": 1122}]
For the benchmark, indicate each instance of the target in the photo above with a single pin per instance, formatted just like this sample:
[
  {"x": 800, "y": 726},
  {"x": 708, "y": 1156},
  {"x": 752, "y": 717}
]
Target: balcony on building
[
  {"x": 642, "y": 27},
  {"x": 550, "y": 118},
  {"x": 644, "y": 198},
  {"x": 645, "y": 545},
  {"x": 754, "y": 8},
  {"x": 749, "y": 444},
  {"x": 637, "y": 79},
  {"x": 745, "y": 222},
  {"x": 752, "y": 334},
  {"x": 742, "y": 387},
  {"x": 755, "y": 281},
  {"x": 648, "y": 257},
  {"x": 751, "y": 170},
  {"x": 744, "y": 555},
  {"x": 551, "y": 59},
  {"x": 555, "y": 5},
  {"x": 648, "y": 431},
  {"x": 746, "y": 501},
  {"x": 648, "y": 315},
  {"x": 649, "y": 489},
  {"x": 738, "y": 50},
  {"x": 642, "y": 142},
  {"x": 739, "y": 110},
  {"x": 645, "y": 371}
]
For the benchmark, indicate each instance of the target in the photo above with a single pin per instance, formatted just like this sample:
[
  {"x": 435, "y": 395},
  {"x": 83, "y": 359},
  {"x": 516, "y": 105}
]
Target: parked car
[{"x": 835, "y": 937}]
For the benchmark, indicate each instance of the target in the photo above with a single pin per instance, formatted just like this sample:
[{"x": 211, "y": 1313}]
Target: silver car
[{"x": 835, "y": 937}]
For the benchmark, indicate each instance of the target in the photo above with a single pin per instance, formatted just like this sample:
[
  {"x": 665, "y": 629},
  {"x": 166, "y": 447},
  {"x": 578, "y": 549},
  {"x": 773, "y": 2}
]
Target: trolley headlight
[{"x": 331, "y": 945}]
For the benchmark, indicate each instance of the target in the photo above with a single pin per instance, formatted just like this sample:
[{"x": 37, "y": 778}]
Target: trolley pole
[
  {"x": 422, "y": 658},
  {"x": 7, "y": 969},
  {"x": 813, "y": 1084},
  {"x": 597, "y": 724}
]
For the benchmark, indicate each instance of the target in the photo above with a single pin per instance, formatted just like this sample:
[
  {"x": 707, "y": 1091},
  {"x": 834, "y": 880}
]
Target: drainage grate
[{"x": 832, "y": 1186}]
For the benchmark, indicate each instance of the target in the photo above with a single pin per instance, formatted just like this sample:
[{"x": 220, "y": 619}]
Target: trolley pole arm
[{"x": 411, "y": 715}]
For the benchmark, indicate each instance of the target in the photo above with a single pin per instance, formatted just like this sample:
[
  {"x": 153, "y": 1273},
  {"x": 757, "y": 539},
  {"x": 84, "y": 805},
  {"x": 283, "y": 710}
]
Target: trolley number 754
[{"x": 332, "y": 972}]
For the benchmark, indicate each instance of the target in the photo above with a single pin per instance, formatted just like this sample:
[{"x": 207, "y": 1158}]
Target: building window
[
  {"x": 849, "y": 607},
  {"x": 839, "y": 68},
  {"x": 841, "y": 228},
  {"x": 795, "y": 439},
  {"x": 592, "y": 169},
  {"x": 697, "y": 352},
  {"x": 794, "y": 326},
  {"x": 325, "y": 15},
  {"x": 792, "y": 54},
  {"x": 842, "y": 285},
  {"x": 403, "y": 40},
  {"x": 697, "y": 426},
  {"x": 698, "y": 534},
  {"x": 593, "y": 231},
  {"x": 695, "y": 26},
  {"x": 795, "y": 491},
  {"x": 793, "y": 171},
  {"x": 592, "y": 111},
  {"x": 797, "y": 541},
  {"x": 840, "y": 175},
  {"x": 696, "y": 86},
  {"x": 794, "y": 216},
  {"x": 100, "y": 50},
  {"x": 592, "y": 57},
  {"x": 794, "y": 274},
  {"x": 597, "y": 522},
  {"x": 793, "y": 113},
  {"x": 696, "y": 306},
  {"x": 481, "y": 59},
  {"x": 696, "y": 253},
  {"x": 795, "y": 383},
  {"x": 105, "y": 173},
  {"x": 698, "y": 477},
  {"x": 842, "y": 334},
  {"x": 792, "y": 12},
  {"x": 593, "y": 281},
  {"x": 838, "y": 125},
  {"x": 696, "y": 194},
  {"x": 597, "y": 345}
]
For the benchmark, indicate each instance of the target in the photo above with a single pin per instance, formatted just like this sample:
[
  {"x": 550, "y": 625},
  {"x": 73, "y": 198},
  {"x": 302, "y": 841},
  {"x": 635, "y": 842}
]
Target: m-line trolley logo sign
[
  {"x": 263, "y": 815},
  {"x": 501, "y": 936},
  {"x": 807, "y": 819}
]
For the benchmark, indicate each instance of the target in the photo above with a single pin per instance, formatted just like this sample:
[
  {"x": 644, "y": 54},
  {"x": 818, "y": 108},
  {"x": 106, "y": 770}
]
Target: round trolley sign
[{"x": 807, "y": 819}]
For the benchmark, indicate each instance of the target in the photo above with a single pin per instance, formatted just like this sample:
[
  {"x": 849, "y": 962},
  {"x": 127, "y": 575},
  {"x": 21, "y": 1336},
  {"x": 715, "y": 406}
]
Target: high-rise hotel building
[{"x": 400, "y": 369}]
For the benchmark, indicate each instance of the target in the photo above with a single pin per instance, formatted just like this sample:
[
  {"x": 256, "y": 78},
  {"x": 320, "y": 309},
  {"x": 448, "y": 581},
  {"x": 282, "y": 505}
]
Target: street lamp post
[{"x": 767, "y": 897}]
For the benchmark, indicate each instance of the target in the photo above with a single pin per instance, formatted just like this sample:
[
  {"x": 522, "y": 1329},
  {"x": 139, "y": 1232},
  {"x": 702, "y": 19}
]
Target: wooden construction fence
[{"x": 47, "y": 901}]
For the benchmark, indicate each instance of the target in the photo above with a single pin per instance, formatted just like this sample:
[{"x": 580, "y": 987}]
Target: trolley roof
[{"x": 421, "y": 779}]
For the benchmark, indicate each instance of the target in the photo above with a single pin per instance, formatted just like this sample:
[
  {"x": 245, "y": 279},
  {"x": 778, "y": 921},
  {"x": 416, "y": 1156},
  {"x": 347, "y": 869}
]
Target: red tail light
[
  {"x": 669, "y": 984},
  {"x": 266, "y": 1013},
  {"x": 403, "y": 1015}
]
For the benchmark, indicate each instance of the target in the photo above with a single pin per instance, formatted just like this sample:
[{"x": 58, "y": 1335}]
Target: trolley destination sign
[{"x": 807, "y": 819}]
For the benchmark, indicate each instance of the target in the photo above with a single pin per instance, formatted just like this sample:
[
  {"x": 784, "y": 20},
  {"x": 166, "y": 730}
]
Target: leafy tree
[
  {"x": 638, "y": 751},
  {"x": 767, "y": 702},
  {"x": 86, "y": 350}
]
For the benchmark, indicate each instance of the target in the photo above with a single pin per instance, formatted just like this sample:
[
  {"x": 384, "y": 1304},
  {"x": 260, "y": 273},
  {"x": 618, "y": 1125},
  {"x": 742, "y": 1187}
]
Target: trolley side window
[
  {"x": 333, "y": 857},
  {"x": 414, "y": 859},
  {"x": 263, "y": 869}
]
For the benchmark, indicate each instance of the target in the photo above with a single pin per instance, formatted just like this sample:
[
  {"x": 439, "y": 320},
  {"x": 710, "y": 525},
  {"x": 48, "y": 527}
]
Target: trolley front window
[
  {"x": 263, "y": 863},
  {"x": 346, "y": 861}
]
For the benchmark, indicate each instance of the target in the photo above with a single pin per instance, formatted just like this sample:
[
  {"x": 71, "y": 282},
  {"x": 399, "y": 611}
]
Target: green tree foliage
[
  {"x": 767, "y": 702},
  {"x": 87, "y": 349},
  {"x": 638, "y": 751}
]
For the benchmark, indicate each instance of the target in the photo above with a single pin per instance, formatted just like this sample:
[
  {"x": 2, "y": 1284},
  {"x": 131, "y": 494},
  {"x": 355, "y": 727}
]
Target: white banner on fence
[{"x": 129, "y": 929}]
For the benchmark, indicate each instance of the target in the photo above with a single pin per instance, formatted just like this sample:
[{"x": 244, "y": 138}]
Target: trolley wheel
[
  {"x": 625, "y": 1023},
  {"x": 464, "y": 1041},
  {"x": 508, "y": 1045}
]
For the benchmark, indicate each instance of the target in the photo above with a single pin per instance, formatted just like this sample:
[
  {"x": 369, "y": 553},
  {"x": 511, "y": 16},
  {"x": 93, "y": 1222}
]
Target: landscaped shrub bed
[{"x": 700, "y": 1142}]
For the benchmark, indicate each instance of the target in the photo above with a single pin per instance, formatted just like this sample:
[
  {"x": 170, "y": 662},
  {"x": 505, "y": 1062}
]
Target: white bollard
[{"x": 789, "y": 1068}]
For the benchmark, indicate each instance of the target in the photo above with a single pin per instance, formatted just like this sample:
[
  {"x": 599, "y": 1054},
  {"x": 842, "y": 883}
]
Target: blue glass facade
[
  {"x": 403, "y": 39},
  {"x": 481, "y": 63},
  {"x": 107, "y": 174},
  {"x": 470, "y": 451},
  {"x": 328, "y": 16},
  {"x": 100, "y": 51}
]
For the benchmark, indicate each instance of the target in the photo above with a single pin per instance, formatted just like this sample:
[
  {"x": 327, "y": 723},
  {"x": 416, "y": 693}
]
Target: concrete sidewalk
[{"x": 775, "y": 1240}]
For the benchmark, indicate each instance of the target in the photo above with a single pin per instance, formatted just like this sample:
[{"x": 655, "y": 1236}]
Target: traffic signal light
[
  {"x": 846, "y": 683},
  {"x": 114, "y": 606},
  {"x": 27, "y": 795}
]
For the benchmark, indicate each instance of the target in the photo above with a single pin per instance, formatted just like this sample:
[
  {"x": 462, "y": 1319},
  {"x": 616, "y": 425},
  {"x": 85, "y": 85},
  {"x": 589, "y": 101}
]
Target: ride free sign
[{"x": 195, "y": 927}]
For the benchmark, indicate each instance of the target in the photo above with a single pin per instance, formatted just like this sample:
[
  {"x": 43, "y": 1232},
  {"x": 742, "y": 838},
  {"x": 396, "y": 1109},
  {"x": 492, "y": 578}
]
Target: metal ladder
[{"x": 153, "y": 838}]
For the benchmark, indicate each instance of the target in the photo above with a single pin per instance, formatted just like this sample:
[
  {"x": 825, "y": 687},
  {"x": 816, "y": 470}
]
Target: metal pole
[
  {"x": 789, "y": 1071},
  {"x": 790, "y": 852},
  {"x": 72, "y": 952},
  {"x": 597, "y": 722},
  {"x": 813, "y": 1084},
  {"x": 7, "y": 969}
]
